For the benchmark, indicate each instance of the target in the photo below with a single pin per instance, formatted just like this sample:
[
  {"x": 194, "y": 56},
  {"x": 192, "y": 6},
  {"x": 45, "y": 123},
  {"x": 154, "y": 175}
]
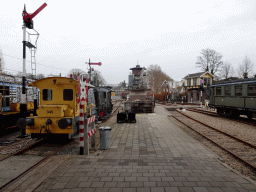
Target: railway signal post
[
  {"x": 90, "y": 70},
  {"x": 27, "y": 23}
]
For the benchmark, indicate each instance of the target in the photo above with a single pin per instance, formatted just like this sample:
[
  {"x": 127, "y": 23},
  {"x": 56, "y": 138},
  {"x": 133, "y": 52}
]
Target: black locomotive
[{"x": 100, "y": 103}]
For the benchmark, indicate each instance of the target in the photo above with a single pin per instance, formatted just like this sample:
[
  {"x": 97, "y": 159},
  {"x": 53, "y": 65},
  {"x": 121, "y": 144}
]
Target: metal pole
[
  {"x": 153, "y": 88},
  {"x": 90, "y": 72},
  {"x": 23, "y": 106}
]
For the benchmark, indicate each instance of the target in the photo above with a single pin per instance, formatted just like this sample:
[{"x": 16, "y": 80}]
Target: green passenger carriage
[{"x": 234, "y": 98}]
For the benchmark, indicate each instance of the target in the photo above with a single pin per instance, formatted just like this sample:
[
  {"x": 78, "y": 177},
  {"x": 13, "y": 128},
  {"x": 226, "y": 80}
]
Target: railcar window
[
  {"x": 238, "y": 90},
  {"x": 218, "y": 90},
  {"x": 47, "y": 94},
  {"x": 68, "y": 94},
  {"x": 227, "y": 90},
  {"x": 251, "y": 90}
]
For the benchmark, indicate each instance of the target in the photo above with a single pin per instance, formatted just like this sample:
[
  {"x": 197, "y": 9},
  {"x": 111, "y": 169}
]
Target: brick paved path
[{"x": 152, "y": 155}]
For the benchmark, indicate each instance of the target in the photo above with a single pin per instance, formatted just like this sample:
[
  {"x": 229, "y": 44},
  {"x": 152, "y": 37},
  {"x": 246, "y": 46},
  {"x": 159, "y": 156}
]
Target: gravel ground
[{"x": 240, "y": 130}]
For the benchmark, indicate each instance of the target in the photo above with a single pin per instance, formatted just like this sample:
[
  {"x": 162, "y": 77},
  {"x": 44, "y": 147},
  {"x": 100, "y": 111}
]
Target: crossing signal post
[
  {"x": 27, "y": 23},
  {"x": 91, "y": 69}
]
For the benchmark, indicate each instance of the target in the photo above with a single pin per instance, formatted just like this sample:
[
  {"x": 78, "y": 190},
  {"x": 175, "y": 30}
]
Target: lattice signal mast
[{"x": 27, "y": 23}]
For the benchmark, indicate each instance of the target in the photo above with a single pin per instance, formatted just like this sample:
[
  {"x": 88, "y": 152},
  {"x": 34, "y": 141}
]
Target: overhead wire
[{"x": 36, "y": 63}]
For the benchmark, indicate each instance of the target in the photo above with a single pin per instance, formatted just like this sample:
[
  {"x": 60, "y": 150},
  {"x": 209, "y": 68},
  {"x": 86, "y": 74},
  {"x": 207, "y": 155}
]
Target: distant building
[
  {"x": 197, "y": 86},
  {"x": 173, "y": 89}
]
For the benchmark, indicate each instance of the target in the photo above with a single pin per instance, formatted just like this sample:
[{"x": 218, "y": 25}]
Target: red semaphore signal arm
[
  {"x": 96, "y": 63},
  {"x": 38, "y": 10},
  {"x": 28, "y": 17}
]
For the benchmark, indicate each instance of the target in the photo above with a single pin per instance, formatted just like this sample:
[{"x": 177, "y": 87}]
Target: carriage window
[
  {"x": 238, "y": 90},
  {"x": 104, "y": 95},
  {"x": 68, "y": 94},
  {"x": 218, "y": 90},
  {"x": 251, "y": 90},
  {"x": 47, "y": 94},
  {"x": 227, "y": 90}
]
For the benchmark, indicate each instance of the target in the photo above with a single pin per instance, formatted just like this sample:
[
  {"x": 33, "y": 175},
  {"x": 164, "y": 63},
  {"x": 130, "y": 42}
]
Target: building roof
[{"x": 193, "y": 75}]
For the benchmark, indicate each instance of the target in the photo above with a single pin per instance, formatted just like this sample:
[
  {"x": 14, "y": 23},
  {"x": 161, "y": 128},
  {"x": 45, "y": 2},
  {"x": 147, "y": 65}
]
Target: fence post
[
  {"x": 93, "y": 136},
  {"x": 86, "y": 139}
]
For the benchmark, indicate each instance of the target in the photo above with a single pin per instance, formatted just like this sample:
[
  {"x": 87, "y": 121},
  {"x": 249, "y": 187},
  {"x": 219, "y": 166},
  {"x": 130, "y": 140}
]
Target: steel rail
[
  {"x": 31, "y": 168},
  {"x": 225, "y": 149},
  {"x": 242, "y": 120}
]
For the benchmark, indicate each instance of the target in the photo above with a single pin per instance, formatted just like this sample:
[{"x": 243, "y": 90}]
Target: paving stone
[
  {"x": 150, "y": 155},
  {"x": 72, "y": 184},
  {"x": 186, "y": 189},
  {"x": 110, "y": 184},
  {"x": 105, "y": 189},
  {"x": 75, "y": 190},
  {"x": 157, "y": 189},
  {"x": 189, "y": 184},
  {"x": 137, "y": 184},
  {"x": 144, "y": 189},
  {"x": 142, "y": 179},
  {"x": 97, "y": 184},
  {"x": 123, "y": 184},
  {"x": 130, "y": 179},
  {"x": 162, "y": 184},
  {"x": 214, "y": 189},
  {"x": 154, "y": 178},
  {"x": 118, "y": 179},
  {"x": 115, "y": 190},
  {"x": 129, "y": 189},
  {"x": 171, "y": 189},
  {"x": 85, "y": 184},
  {"x": 88, "y": 190},
  {"x": 149, "y": 184}
]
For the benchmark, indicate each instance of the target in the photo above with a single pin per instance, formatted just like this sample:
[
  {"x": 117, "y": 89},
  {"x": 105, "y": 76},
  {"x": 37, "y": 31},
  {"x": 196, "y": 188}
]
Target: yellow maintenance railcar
[{"x": 58, "y": 112}]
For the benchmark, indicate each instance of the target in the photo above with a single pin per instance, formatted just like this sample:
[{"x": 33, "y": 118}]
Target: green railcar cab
[{"x": 234, "y": 98}]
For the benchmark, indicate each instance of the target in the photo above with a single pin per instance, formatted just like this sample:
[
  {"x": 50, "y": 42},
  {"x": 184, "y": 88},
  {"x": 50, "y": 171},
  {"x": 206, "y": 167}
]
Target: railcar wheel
[
  {"x": 249, "y": 115},
  {"x": 235, "y": 114},
  {"x": 36, "y": 136}
]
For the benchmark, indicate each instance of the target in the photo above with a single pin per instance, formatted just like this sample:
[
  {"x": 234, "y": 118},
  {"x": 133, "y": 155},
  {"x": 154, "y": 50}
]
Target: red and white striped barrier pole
[
  {"x": 81, "y": 127},
  {"x": 91, "y": 121}
]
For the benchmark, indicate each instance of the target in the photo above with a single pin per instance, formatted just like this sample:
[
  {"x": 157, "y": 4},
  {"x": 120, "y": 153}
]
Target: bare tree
[
  {"x": 40, "y": 76},
  {"x": 210, "y": 61},
  {"x": 245, "y": 69},
  {"x": 98, "y": 79},
  {"x": 159, "y": 77},
  {"x": 76, "y": 72},
  {"x": 1, "y": 61},
  {"x": 227, "y": 70}
]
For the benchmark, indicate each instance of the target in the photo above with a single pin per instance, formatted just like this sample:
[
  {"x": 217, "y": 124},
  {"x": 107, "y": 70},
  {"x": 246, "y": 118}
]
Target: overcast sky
[{"x": 119, "y": 33}]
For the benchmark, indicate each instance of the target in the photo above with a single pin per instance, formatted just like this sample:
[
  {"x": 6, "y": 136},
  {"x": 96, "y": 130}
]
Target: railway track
[
  {"x": 214, "y": 114},
  {"x": 240, "y": 149},
  {"x": 36, "y": 148},
  {"x": 116, "y": 105}
]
